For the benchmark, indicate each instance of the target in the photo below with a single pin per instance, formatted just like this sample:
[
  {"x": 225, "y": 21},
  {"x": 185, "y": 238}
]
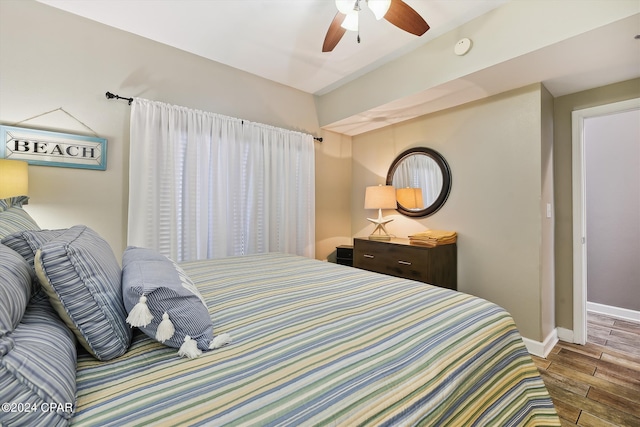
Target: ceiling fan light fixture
[
  {"x": 350, "y": 22},
  {"x": 346, "y": 6},
  {"x": 379, "y": 7},
  {"x": 396, "y": 12}
]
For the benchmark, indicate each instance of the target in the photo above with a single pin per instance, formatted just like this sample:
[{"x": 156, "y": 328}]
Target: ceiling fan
[{"x": 396, "y": 12}]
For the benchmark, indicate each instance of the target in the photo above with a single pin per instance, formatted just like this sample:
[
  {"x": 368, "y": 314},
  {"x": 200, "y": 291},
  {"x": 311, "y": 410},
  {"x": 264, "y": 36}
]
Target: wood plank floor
[{"x": 597, "y": 384}]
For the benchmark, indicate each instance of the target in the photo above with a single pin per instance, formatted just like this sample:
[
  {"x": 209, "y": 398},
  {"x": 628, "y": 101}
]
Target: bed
[{"x": 315, "y": 343}]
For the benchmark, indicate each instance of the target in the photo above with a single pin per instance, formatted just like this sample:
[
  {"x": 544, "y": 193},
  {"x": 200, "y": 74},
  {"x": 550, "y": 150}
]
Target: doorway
[{"x": 580, "y": 241}]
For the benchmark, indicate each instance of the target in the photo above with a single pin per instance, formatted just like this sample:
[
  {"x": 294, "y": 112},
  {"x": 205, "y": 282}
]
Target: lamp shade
[
  {"x": 380, "y": 197},
  {"x": 14, "y": 178},
  {"x": 410, "y": 198}
]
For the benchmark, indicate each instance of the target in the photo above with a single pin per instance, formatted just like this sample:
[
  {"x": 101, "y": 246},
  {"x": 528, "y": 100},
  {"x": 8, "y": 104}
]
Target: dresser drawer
[
  {"x": 389, "y": 259},
  {"x": 437, "y": 265}
]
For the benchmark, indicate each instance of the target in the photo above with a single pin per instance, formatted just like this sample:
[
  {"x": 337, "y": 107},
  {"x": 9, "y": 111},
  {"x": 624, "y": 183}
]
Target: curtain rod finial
[{"x": 110, "y": 95}]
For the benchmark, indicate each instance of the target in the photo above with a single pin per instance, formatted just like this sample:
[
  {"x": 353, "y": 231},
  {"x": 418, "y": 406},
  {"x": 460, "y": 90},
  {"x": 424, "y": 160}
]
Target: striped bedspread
[{"x": 316, "y": 343}]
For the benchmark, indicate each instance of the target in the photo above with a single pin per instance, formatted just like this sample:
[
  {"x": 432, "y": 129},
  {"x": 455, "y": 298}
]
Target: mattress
[{"x": 316, "y": 343}]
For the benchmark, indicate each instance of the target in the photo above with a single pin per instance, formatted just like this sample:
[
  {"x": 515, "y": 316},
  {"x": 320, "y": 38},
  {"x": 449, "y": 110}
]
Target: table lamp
[
  {"x": 380, "y": 197},
  {"x": 14, "y": 178}
]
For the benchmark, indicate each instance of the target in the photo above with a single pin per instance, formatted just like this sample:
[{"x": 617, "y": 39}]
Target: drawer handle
[
  {"x": 368, "y": 256},
  {"x": 404, "y": 262}
]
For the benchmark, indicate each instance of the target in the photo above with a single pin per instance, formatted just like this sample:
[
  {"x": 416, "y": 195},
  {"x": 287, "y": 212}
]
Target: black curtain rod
[{"x": 110, "y": 95}]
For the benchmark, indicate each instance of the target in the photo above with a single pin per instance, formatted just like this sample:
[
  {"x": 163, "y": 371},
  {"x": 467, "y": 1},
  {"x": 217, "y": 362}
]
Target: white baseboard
[
  {"x": 541, "y": 349},
  {"x": 622, "y": 313},
  {"x": 565, "y": 335}
]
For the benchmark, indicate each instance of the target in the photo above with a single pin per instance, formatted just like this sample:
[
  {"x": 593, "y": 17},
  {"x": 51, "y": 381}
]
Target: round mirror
[{"x": 422, "y": 179}]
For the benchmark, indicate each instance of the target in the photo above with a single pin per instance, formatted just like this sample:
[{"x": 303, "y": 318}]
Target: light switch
[{"x": 548, "y": 210}]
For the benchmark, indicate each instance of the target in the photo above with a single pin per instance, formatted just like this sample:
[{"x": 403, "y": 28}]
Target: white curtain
[{"x": 202, "y": 185}]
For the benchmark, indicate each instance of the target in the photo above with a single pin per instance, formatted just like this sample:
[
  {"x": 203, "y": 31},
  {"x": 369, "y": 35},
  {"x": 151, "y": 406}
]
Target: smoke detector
[{"x": 463, "y": 46}]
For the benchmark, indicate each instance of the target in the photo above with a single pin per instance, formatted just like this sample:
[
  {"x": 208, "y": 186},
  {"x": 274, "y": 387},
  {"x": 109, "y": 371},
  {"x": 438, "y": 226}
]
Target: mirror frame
[{"x": 446, "y": 181}]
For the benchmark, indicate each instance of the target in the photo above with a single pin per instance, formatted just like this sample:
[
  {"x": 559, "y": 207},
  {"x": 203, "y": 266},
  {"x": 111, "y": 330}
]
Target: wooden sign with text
[{"x": 45, "y": 148}]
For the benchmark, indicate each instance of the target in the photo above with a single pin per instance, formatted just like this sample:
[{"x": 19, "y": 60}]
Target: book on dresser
[{"x": 435, "y": 265}]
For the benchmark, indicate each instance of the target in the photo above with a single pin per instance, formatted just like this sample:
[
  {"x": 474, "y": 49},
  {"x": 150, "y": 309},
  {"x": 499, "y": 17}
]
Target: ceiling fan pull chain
[{"x": 358, "y": 10}]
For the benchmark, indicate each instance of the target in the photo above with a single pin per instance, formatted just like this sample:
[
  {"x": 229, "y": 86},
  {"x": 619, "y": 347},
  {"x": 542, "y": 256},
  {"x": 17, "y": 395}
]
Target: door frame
[{"x": 580, "y": 241}]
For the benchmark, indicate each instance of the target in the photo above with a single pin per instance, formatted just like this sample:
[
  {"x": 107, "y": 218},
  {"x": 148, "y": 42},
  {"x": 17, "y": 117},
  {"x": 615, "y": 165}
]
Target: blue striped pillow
[
  {"x": 27, "y": 243},
  {"x": 168, "y": 289},
  {"x": 38, "y": 367},
  {"x": 14, "y": 219},
  {"x": 13, "y": 201},
  {"x": 15, "y": 289},
  {"x": 81, "y": 276}
]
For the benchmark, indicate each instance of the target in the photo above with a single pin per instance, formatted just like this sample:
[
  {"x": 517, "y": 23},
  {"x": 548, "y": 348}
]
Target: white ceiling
[
  {"x": 280, "y": 40},
  {"x": 605, "y": 55}
]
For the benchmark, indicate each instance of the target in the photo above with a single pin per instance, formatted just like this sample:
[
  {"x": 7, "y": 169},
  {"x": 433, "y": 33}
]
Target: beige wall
[
  {"x": 51, "y": 59},
  {"x": 333, "y": 193},
  {"x": 563, "y": 106},
  {"x": 494, "y": 149}
]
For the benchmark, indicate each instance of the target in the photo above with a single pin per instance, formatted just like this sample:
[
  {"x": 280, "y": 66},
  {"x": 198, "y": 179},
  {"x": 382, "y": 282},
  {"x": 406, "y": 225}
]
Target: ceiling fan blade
[
  {"x": 404, "y": 17},
  {"x": 334, "y": 33}
]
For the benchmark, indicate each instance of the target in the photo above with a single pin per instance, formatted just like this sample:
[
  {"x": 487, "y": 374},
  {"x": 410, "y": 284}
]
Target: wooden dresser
[{"x": 437, "y": 265}]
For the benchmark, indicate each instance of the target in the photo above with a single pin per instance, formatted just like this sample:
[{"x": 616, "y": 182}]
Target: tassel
[
  {"x": 220, "y": 341},
  {"x": 189, "y": 348},
  {"x": 140, "y": 314},
  {"x": 165, "y": 329}
]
